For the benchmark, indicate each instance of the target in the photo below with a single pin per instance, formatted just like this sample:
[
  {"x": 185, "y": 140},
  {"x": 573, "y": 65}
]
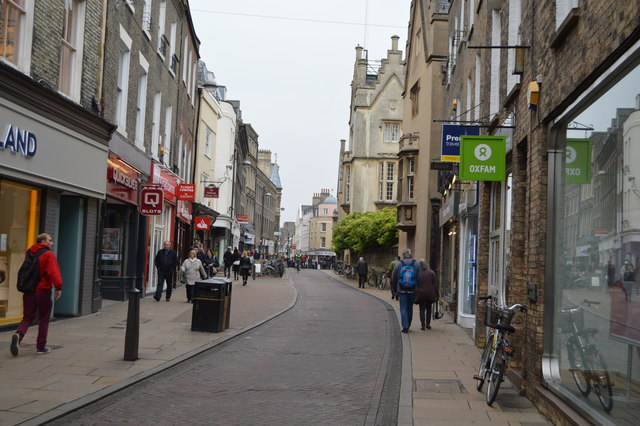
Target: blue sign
[
  {"x": 451, "y": 140},
  {"x": 22, "y": 142}
]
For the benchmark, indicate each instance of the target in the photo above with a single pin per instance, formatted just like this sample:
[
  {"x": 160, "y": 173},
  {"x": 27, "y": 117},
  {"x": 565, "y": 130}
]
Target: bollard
[{"x": 132, "y": 334}]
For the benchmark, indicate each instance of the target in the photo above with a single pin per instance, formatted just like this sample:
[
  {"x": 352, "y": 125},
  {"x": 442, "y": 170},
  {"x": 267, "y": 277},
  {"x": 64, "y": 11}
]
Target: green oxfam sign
[
  {"x": 483, "y": 157},
  {"x": 577, "y": 161}
]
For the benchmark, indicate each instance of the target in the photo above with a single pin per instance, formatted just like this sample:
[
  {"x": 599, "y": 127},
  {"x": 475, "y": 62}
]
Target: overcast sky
[{"x": 290, "y": 63}]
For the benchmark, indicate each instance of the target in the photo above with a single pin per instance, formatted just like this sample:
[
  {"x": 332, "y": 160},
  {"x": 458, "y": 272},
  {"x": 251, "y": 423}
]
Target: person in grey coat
[
  {"x": 192, "y": 271},
  {"x": 362, "y": 269}
]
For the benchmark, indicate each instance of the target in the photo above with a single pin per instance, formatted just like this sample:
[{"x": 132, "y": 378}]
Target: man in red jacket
[{"x": 40, "y": 300}]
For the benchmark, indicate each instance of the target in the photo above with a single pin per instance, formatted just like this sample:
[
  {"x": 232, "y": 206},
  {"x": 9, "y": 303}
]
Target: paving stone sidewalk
[{"x": 87, "y": 358}]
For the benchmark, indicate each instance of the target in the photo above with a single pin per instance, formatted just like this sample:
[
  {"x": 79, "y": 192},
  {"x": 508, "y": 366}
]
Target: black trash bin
[{"x": 211, "y": 305}]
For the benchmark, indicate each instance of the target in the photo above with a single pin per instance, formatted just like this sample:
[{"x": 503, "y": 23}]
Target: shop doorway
[{"x": 69, "y": 250}]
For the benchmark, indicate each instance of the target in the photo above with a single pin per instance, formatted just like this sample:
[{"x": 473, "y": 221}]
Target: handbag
[{"x": 437, "y": 311}]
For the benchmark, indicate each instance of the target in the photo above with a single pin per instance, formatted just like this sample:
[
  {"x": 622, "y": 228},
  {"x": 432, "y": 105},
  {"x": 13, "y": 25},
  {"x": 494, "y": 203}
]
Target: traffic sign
[{"x": 151, "y": 200}]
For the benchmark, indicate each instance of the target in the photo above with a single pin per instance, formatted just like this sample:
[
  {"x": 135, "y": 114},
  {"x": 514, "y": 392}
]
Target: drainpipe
[{"x": 101, "y": 48}]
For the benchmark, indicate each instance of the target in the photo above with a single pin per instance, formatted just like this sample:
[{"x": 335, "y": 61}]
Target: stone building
[
  {"x": 50, "y": 57},
  {"x": 368, "y": 168},
  {"x": 555, "y": 85}
]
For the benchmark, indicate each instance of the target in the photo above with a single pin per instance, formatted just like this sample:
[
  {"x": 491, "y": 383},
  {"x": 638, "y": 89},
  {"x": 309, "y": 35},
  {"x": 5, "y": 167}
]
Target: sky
[{"x": 290, "y": 64}]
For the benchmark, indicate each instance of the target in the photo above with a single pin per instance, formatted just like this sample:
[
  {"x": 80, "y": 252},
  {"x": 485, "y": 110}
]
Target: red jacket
[{"x": 50, "y": 275}]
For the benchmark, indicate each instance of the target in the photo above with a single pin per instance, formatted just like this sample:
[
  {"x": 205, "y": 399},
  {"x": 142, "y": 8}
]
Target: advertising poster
[{"x": 111, "y": 244}]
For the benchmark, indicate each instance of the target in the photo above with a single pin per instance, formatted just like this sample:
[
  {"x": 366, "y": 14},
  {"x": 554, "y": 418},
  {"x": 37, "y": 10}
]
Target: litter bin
[{"x": 211, "y": 305}]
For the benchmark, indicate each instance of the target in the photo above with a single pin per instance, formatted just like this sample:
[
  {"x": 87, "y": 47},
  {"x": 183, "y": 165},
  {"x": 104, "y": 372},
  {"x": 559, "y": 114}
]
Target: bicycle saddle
[{"x": 505, "y": 327}]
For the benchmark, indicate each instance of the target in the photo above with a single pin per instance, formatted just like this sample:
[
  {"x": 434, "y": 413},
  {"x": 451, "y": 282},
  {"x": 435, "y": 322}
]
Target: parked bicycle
[
  {"x": 372, "y": 280},
  {"x": 497, "y": 349},
  {"x": 382, "y": 280},
  {"x": 588, "y": 367}
]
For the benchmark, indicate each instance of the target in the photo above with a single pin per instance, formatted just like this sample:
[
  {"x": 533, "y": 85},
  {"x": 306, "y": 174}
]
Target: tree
[{"x": 360, "y": 231}]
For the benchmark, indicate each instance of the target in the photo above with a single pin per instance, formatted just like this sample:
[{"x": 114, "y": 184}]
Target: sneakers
[
  {"x": 405, "y": 330},
  {"x": 15, "y": 344},
  {"x": 43, "y": 351}
]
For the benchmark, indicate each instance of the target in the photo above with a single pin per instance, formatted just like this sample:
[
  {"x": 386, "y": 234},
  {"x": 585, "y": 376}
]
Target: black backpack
[{"x": 29, "y": 273}]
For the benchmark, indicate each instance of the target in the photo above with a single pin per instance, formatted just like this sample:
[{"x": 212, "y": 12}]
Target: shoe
[
  {"x": 168, "y": 300},
  {"x": 43, "y": 351},
  {"x": 422, "y": 328},
  {"x": 15, "y": 344},
  {"x": 405, "y": 330},
  {"x": 428, "y": 327},
  {"x": 156, "y": 298}
]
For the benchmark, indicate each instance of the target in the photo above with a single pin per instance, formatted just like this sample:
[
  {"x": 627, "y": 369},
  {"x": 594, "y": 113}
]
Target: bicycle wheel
[
  {"x": 496, "y": 372},
  {"x": 578, "y": 366},
  {"x": 601, "y": 382},
  {"x": 382, "y": 282},
  {"x": 372, "y": 280},
  {"x": 268, "y": 271},
  {"x": 485, "y": 361}
]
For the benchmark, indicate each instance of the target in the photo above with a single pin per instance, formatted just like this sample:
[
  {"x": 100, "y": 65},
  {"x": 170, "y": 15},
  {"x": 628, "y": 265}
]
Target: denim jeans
[
  {"x": 406, "y": 308},
  {"x": 161, "y": 279}
]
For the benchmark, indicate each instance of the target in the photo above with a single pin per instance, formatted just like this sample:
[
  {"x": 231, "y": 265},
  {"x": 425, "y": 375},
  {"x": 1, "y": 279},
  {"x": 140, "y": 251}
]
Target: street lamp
[{"x": 264, "y": 194}]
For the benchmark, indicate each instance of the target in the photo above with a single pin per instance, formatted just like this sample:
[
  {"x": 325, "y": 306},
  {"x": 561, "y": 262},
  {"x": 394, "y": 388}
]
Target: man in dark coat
[
  {"x": 227, "y": 259},
  {"x": 166, "y": 262},
  {"x": 363, "y": 270}
]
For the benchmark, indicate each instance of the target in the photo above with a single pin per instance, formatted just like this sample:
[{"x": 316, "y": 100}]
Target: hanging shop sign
[
  {"x": 483, "y": 158},
  {"x": 202, "y": 223},
  {"x": 186, "y": 192},
  {"x": 211, "y": 192},
  {"x": 243, "y": 219},
  {"x": 577, "y": 168},
  {"x": 451, "y": 140},
  {"x": 184, "y": 211},
  {"x": 151, "y": 200},
  {"x": 122, "y": 180}
]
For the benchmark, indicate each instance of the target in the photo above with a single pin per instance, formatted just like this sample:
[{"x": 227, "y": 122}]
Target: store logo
[{"x": 21, "y": 142}]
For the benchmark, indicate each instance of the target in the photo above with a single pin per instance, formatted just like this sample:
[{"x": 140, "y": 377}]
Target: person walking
[
  {"x": 363, "y": 270},
  {"x": 245, "y": 266},
  {"x": 192, "y": 271},
  {"x": 235, "y": 265},
  {"x": 392, "y": 265},
  {"x": 404, "y": 281},
  {"x": 211, "y": 263},
  {"x": 227, "y": 259},
  {"x": 166, "y": 262},
  {"x": 427, "y": 294},
  {"x": 49, "y": 276}
]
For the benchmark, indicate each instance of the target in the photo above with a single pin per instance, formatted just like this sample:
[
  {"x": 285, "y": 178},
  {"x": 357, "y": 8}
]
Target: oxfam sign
[
  {"x": 577, "y": 164},
  {"x": 483, "y": 158}
]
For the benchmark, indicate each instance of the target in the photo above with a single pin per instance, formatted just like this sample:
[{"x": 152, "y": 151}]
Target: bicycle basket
[
  {"x": 497, "y": 314},
  {"x": 570, "y": 316}
]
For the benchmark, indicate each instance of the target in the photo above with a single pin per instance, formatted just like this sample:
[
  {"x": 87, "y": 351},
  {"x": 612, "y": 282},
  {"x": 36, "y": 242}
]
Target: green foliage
[{"x": 360, "y": 231}]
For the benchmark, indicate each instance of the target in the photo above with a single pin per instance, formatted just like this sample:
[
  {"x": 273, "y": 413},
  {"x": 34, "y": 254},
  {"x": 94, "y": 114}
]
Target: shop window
[
  {"x": 596, "y": 284},
  {"x": 19, "y": 225}
]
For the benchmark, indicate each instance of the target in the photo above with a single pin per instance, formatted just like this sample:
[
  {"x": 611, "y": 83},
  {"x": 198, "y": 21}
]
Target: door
[{"x": 69, "y": 251}]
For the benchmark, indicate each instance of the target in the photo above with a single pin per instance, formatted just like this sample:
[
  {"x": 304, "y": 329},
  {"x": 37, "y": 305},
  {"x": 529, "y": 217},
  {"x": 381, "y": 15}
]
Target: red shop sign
[
  {"x": 184, "y": 211},
  {"x": 187, "y": 191},
  {"x": 202, "y": 223},
  {"x": 166, "y": 179},
  {"x": 151, "y": 200},
  {"x": 122, "y": 180},
  {"x": 211, "y": 192}
]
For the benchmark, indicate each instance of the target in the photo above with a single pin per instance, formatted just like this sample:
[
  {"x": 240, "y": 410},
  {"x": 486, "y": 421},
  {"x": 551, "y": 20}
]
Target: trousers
[
  {"x": 38, "y": 301},
  {"x": 162, "y": 277},
  {"x": 406, "y": 308}
]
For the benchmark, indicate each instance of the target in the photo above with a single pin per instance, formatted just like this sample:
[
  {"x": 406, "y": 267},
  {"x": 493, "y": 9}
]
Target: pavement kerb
[
  {"x": 92, "y": 397},
  {"x": 405, "y": 405}
]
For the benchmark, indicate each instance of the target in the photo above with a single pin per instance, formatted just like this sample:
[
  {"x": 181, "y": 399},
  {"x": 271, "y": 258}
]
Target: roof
[
  {"x": 275, "y": 176},
  {"x": 330, "y": 200}
]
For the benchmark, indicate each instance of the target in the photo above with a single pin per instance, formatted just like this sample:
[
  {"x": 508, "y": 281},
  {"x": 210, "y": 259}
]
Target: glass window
[
  {"x": 596, "y": 312},
  {"x": 207, "y": 142},
  {"x": 12, "y": 17},
  {"x": 389, "y": 191},
  {"x": 410, "y": 187},
  {"x": 19, "y": 224},
  {"x": 70, "y": 49},
  {"x": 391, "y": 132},
  {"x": 323, "y": 227},
  {"x": 390, "y": 171}
]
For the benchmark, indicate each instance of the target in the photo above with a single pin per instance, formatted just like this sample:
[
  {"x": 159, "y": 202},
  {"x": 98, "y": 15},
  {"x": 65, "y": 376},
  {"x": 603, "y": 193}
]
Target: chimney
[
  {"x": 358, "y": 53},
  {"x": 394, "y": 42}
]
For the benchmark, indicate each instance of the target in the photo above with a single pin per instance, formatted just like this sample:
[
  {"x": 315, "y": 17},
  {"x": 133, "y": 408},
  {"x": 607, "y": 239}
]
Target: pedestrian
[
  {"x": 404, "y": 281},
  {"x": 39, "y": 300},
  {"x": 363, "y": 270},
  {"x": 427, "y": 293},
  {"x": 212, "y": 263},
  {"x": 245, "y": 266},
  {"x": 392, "y": 265},
  {"x": 166, "y": 262},
  {"x": 227, "y": 259},
  {"x": 192, "y": 271},
  {"x": 236, "y": 263}
]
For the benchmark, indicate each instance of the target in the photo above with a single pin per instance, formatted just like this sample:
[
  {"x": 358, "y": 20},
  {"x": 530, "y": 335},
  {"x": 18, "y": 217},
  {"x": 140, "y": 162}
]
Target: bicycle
[
  {"x": 382, "y": 281},
  {"x": 497, "y": 349},
  {"x": 372, "y": 280},
  {"x": 350, "y": 272},
  {"x": 588, "y": 367}
]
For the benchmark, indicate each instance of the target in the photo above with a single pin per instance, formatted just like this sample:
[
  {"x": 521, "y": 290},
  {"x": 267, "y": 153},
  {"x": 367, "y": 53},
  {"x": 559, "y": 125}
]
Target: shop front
[
  {"x": 467, "y": 266},
  {"x": 44, "y": 188},
  {"x": 449, "y": 250},
  {"x": 592, "y": 316},
  {"x": 123, "y": 232}
]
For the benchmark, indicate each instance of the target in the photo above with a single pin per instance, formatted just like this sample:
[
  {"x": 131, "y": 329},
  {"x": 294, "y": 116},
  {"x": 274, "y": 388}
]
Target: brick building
[{"x": 558, "y": 81}]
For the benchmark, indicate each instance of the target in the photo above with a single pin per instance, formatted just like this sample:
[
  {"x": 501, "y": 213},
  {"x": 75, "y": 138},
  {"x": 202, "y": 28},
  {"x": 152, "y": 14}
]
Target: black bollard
[{"x": 132, "y": 334}]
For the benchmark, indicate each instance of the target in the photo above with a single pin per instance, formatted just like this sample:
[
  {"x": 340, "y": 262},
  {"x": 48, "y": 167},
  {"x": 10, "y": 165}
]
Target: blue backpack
[{"x": 407, "y": 279}]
